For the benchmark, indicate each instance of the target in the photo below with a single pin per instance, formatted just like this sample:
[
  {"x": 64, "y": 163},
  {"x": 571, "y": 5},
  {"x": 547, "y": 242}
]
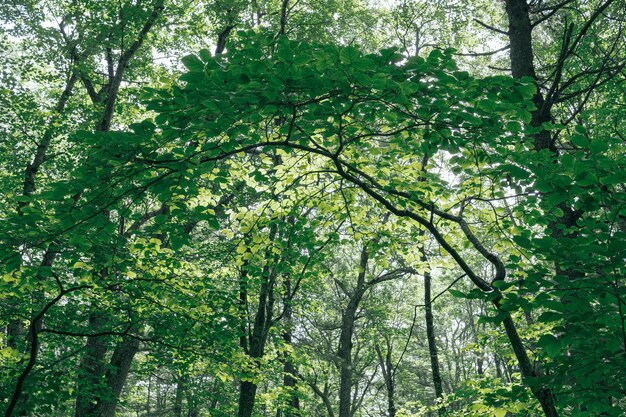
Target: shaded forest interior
[{"x": 313, "y": 208}]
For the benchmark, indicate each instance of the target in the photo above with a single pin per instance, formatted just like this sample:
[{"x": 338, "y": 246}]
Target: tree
[
  {"x": 356, "y": 106},
  {"x": 260, "y": 235}
]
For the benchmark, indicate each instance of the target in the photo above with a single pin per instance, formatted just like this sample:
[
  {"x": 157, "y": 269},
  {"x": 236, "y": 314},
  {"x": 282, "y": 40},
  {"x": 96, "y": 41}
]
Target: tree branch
[
  {"x": 105, "y": 122},
  {"x": 492, "y": 28}
]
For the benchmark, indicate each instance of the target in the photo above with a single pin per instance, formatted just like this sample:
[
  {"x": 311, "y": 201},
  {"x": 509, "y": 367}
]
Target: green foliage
[{"x": 221, "y": 227}]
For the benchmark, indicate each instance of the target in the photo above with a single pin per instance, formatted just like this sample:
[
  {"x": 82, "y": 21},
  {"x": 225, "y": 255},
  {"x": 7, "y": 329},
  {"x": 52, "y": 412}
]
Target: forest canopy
[{"x": 332, "y": 208}]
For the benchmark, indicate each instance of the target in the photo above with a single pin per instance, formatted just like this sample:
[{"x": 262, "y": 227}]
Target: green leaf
[
  {"x": 598, "y": 146},
  {"x": 205, "y": 55},
  {"x": 550, "y": 316},
  {"x": 580, "y": 140},
  {"x": 457, "y": 293},
  {"x": 193, "y": 63},
  {"x": 516, "y": 171},
  {"x": 550, "y": 344},
  {"x": 528, "y": 90},
  {"x": 213, "y": 223},
  {"x": 500, "y": 412},
  {"x": 349, "y": 54}
]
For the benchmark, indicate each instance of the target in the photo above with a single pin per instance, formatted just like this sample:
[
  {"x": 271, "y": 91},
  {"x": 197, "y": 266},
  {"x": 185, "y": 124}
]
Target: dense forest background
[{"x": 338, "y": 208}]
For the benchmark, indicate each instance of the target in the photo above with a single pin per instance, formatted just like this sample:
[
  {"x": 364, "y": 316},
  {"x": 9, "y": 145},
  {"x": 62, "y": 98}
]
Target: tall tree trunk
[
  {"x": 430, "y": 335},
  {"x": 386, "y": 364},
  {"x": 192, "y": 406},
  {"x": 117, "y": 374},
  {"x": 522, "y": 65},
  {"x": 247, "y": 396},
  {"x": 496, "y": 362},
  {"x": 256, "y": 343},
  {"x": 35, "y": 324},
  {"x": 178, "y": 399},
  {"x": 289, "y": 370},
  {"x": 344, "y": 353},
  {"x": 91, "y": 370},
  {"x": 289, "y": 381},
  {"x": 15, "y": 334},
  {"x": 247, "y": 391},
  {"x": 543, "y": 394},
  {"x": 430, "y": 323},
  {"x": 113, "y": 87},
  {"x": 15, "y": 329},
  {"x": 96, "y": 347},
  {"x": 262, "y": 323}
]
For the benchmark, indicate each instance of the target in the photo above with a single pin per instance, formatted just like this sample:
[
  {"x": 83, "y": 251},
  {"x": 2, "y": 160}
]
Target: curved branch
[{"x": 34, "y": 348}]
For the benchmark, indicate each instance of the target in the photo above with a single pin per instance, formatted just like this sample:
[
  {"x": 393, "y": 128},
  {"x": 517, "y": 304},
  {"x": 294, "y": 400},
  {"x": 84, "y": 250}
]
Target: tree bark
[
  {"x": 344, "y": 353},
  {"x": 289, "y": 370},
  {"x": 386, "y": 364},
  {"x": 96, "y": 347},
  {"x": 522, "y": 64},
  {"x": 91, "y": 370},
  {"x": 293, "y": 405},
  {"x": 192, "y": 405},
  {"x": 247, "y": 396},
  {"x": 104, "y": 124},
  {"x": 178, "y": 399},
  {"x": 262, "y": 323},
  {"x": 117, "y": 374},
  {"x": 544, "y": 395},
  {"x": 430, "y": 335},
  {"x": 15, "y": 333}
]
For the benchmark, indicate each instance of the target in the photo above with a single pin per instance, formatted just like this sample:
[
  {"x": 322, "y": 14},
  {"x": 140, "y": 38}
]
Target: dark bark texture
[{"x": 432, "y": 341}]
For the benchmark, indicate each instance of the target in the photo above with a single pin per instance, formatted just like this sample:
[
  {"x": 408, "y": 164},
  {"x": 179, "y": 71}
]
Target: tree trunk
[
  {"x": 386, "y": 364},
  {"x": 496, "y": 362},
  {"x": 15, "y": 334},
  {"x": 432, "y": 341},
  {"x": 117, "y": 374},
  {"x": 193, "y": 409},
  {"x": 247, "y": 391},
  {"x": 522, "y": 65},
  {"x": 542, "y": 394},
  {"x": 178, "y": 400},
  {"x": 293, "y": 405},
  {"x": 289, "y": 370},
  {"x": 92, "y": 364},
  {"x": 261, "y": 326},
  {"x": 344, "y": 354},
  {"x": 91, "y": 371},
  {"x": 247, "y": 395}
]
